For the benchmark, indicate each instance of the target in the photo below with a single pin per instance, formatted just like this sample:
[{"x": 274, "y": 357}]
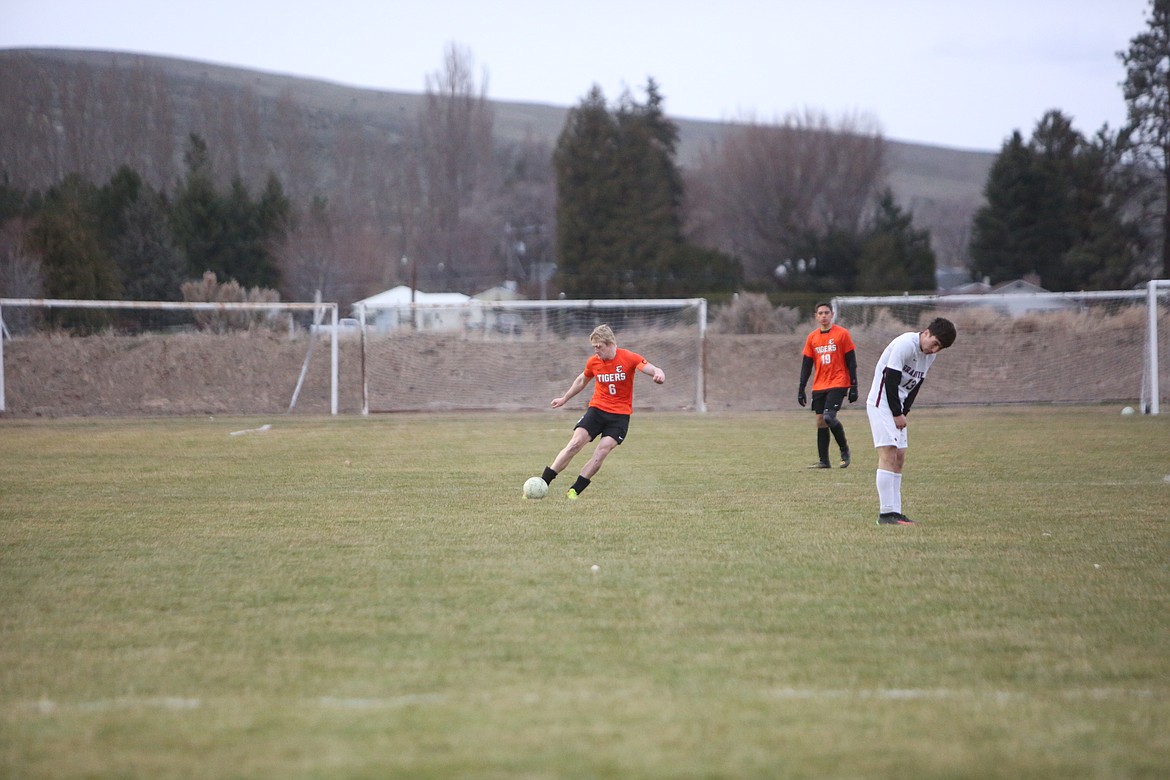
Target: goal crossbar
[{"x": 69, "y": 303}]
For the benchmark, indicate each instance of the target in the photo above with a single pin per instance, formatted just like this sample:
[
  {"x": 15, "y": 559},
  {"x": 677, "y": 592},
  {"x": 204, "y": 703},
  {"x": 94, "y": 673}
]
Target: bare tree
[
  {"x": 454, "y": 146},
  {"x": 769, "y": 187}
]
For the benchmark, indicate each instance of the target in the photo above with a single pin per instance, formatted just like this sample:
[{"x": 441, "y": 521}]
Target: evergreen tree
[
  {"x": 588, "y": 196},
  {"x": 197, "y": 220},
  {"x": 619, "y": 205},
  {"x": 154, "y": 269},
  {"x": 232, "y": 236},
  {"x": 650, "y": 208},
  {"x": 1147, "y": 95},
  {"x": 67, "y": 238},
  {"x": 894, "y": 255},
  {"x": 1000, "y": 230},
  {"x": 133, "y": 227},
  {"x": 1056, "y": 207}
]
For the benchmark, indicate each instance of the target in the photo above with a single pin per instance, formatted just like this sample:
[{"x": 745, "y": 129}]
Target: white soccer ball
[
  {"x": 535, "y": 487},
  {"x": 1127, "y": 411}
]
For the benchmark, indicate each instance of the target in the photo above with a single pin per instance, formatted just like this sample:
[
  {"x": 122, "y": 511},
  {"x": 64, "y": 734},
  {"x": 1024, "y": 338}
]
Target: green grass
[{"x": 352, "y": 597}]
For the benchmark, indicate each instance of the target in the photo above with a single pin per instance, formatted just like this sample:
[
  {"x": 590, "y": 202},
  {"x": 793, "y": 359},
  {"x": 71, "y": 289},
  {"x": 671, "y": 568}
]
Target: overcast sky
[{"x": 952, "y": 73}]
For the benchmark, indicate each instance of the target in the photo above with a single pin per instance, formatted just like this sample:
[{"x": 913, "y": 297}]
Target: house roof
[
  {"x": 503, "y": 292},
  {"x": 1017, "y": 286},
  {"x": 401, "y": 296}
]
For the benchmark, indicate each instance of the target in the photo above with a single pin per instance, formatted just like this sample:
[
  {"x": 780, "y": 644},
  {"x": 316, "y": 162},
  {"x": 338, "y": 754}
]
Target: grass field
[{"x": 368, "y": 598}]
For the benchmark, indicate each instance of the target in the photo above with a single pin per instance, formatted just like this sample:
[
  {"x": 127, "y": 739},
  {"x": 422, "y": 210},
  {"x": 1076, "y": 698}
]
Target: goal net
[
  {"x": 519, "y": 355},
  {"x": 61, "y": 357},
  {"x": 1085, "y": 347}
]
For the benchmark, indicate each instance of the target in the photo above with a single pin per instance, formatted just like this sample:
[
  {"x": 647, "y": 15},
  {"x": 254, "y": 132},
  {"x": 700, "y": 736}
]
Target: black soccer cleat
[
  {"x": 845, "y": 458},
  {"x": 820, "y": 465},
  {"x": 894, "y": 518}
]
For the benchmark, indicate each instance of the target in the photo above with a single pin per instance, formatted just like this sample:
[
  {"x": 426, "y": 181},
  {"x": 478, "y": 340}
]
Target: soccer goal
[
  {"x": 160, "y": 357},
  {"x": 519, "y": 355},
  {"x": 1082, "y": 347}
]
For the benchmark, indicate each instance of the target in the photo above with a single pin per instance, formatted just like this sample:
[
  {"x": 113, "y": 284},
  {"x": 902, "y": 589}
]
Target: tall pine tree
[
  {"x": 619, "y": 205},
  {"x": 1057, "y": 208},
  {"x": 1147, "y": 95}
]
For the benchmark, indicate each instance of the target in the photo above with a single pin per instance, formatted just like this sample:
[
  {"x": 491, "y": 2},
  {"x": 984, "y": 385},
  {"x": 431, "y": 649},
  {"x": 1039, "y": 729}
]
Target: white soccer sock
[{"x": 889, "y": 487}]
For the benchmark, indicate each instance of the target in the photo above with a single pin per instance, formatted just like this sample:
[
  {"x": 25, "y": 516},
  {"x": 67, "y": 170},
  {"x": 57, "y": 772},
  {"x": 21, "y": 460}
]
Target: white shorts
[{"x": 881, "y": 425}]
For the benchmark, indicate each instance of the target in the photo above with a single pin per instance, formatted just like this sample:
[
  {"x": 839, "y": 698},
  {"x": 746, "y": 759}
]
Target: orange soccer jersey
[
  {"x": 828, "y": 350},
  {"x": 613, "y": 390}
]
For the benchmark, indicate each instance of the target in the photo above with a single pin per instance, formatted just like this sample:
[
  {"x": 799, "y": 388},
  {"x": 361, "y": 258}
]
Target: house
[
  {"x": 1024, "y": 296},
  {"x": 1013, "y": 299},
  {"x": 506, "y": 291},
  {"x": 498, "y": 318},
  {"x": 402, "y": 307}
]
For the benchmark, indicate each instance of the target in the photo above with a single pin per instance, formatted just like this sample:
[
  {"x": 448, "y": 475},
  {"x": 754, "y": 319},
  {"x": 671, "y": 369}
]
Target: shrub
[{"x": 752, "y": 313}]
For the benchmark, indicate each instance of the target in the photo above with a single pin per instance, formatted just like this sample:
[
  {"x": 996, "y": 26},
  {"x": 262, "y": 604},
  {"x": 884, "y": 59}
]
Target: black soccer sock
[
  {"x": 580, "y": 484},
  {"x": 548, "y": 476},
  {"x": 823, "y": 444},
  {"x": 839, "y": 434}
]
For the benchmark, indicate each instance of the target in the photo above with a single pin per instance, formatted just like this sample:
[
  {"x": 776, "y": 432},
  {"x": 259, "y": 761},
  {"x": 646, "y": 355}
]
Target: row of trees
[
  {"x": 1087, "y": 212},
  {"x": 802, "y": 203},
  {"x": 1064, "y": 208},
  {"x": 806, "y": 200},
  {"x": 126, "y": 240}
]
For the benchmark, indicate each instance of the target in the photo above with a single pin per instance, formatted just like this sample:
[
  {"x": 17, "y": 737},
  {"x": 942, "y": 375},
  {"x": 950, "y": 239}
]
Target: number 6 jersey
[{"x": 613, "y": 390}]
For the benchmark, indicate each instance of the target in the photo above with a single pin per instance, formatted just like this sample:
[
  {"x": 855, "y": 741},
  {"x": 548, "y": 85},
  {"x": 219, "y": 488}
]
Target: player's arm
[
  {"x": 806, "y": 369},
  {"x": 892, "y": 378},
  {"x": 654, "y": 372},
  {"x": 911, "y": 396},
  {"x": 851, "y": 364},
  {"x": 577, "y": 386}
]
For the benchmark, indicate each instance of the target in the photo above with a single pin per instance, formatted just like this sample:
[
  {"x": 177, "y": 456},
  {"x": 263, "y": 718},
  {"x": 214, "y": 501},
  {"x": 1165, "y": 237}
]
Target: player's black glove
[
  {"x": 852, "y": 393},
  {"x": 801, "y": 398}
]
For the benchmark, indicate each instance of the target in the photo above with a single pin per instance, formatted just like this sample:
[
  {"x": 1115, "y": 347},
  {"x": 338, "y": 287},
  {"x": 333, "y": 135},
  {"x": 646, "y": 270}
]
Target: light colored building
[{"x": 401, "y": 307}]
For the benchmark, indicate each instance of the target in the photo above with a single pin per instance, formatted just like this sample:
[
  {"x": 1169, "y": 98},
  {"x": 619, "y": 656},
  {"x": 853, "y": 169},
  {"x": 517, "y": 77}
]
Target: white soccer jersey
[{"x": 903, "y": 354}]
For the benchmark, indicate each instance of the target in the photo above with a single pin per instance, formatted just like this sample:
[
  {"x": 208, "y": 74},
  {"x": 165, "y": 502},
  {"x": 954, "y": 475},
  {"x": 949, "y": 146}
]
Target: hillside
[{"x": 89, "y": 111}]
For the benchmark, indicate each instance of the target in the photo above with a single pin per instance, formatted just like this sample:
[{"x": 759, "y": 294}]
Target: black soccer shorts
[{"x": 597, "y": 422}]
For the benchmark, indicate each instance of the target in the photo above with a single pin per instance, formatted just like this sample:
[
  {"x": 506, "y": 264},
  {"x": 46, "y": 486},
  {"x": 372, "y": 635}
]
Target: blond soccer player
[{"x": 612, "y": 370}]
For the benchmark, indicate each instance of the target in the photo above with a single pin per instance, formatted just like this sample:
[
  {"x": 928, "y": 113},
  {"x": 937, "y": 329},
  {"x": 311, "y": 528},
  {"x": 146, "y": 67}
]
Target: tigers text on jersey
[
  {"x": 613, "y": 389},
  {"x": 903, "y": 354},
  {"x": 827, "y": 349}
]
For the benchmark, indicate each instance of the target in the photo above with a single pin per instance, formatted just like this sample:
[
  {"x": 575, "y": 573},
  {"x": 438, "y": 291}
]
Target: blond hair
[{"x": 602, "y": 334}]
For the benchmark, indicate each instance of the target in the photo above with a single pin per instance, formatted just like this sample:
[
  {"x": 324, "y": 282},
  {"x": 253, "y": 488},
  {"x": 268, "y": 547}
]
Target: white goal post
[
  {"x": 1075, "y": 347},
  {"x": 1151, "y": 386},
  {"x": 517, "y": 355},
  {"x": 225, "y": 310}
]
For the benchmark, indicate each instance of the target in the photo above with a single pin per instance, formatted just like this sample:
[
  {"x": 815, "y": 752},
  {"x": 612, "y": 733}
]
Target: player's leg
[
  {"x": 890, "y": 443},
  {"x": 833, "y": 400},
  {"x": 585, "y": 431},
  {"x": 600, "y": 453},
  {"x": 613, "y": 433},
  {"x": 818, "y": 407}
]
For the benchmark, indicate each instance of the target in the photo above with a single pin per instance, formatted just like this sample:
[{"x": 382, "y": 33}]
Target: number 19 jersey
[{"x": 827, "y": 349}]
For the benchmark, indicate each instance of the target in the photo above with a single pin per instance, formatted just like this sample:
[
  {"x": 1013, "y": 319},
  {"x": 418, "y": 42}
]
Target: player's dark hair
[
  {"x": 944, "y": 330},
  {"x": 823, "y": 303}
]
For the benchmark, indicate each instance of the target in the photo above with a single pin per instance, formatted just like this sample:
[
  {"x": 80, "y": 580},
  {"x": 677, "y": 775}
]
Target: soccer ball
[{"x": 535, "y": 487}]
